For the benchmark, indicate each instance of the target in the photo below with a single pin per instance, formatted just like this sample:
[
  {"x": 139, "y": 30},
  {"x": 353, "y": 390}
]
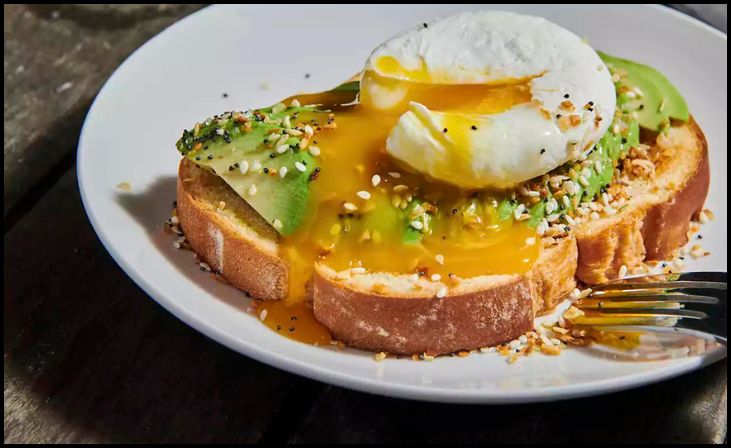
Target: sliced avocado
[
  {"x": 506, "y": 208},
  {"x": 384, "y": 218},
  {"x": 658, "y": 101},
  {"x": 236, "y": 147},
  {"x": 412, "y": 235}
]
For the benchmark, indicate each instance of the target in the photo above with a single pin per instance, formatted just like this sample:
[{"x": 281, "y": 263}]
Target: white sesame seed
[
  {"x": 442, "y": 292},
  {"x": 283, "y": 171},
  {"x": 244, "y": 167},
  {"x": 315, "y": 151},
  {"x": 350, "y": 206},
  {"x": 282, "y": 140},
  {"x": 569, "y": 220},
  {"x": 530, "y": 241},
  {"x": 534, "y": 194},
  {"x": 273, "y": 137},
  {"x": 295, "y": 103},
  {"x": 436, "y": 277},
  {"x": 418, "y": 225},
  {"x": 586, "y": 116},
  {"x": 394, "y": 174},
  {"x": 363, "y": 195},
  {"x": 282, "y": 149},
  {"x": 622, "y": 271},
  {"x": 549, "y": 207},
  {"x": 555, "y": 341},
  {"x": 512, "y": 195},
  {"x": 358, "y": 270},
  {"x": 594, "y": 215},
  {"x": 174, "y": 220},
  {"x": 583, "y": 181},
  {"x": 595, "y": 206},
  {"x": 279, "y": 107},
  {"x": 400, "y": 187},
  {"x": 439, "y": 258},
  {"x": 286, "y": 122},
  {"x": 252, "y": 190},
  {"x": 566, "y": 201},
  {"x": 300, "y": 166},
  {"x": 277, "y": 224},
  {"x": 523, "y": 339},
  {"x": 414, "y": 277},
  {"x": 553, "y": 217},
  {"x": 375, "y": 180},
  {"x": 522, "y": 190},
  {"x": 263, "y": 315},
  {"x": 610, "y": 211},
  {"x": 308, "y": 130},
  {"x": 255, "y": 166},
  {"x": 294, "y": 132},
  {"x": 514, "y": 344}
]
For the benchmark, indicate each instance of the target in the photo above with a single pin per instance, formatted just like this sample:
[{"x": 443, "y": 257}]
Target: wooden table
[{"x": 90, "y": 358}]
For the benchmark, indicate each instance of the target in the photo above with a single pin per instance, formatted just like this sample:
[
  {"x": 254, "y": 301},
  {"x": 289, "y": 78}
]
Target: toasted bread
[{"x": 393, "y": 313}]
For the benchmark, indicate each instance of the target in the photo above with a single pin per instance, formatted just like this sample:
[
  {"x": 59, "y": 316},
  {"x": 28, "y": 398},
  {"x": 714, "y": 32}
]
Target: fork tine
[
  {"x": 707, "y": 280},
  {"x": 632, "y": 283},
  {"x": 651, "y": 312},
  {"x": 646, "y": 296}
]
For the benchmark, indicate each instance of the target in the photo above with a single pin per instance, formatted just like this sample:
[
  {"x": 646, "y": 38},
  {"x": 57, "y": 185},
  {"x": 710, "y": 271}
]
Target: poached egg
[{"x": 489, "y": 99}]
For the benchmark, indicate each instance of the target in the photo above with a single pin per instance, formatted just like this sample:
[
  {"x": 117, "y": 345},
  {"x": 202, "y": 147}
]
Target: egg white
[{"x": 492, "y": 47}]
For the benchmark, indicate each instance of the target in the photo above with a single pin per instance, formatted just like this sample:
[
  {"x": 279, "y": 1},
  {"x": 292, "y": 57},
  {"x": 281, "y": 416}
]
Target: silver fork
[{"x": 689, "y": 302}]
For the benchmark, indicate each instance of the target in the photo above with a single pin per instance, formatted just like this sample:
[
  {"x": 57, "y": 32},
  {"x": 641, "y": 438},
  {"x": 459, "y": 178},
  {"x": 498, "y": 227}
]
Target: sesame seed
[
  {"x": 294, "y": 132},
  {"x": 282, "y": 149},
  {"x": 514, "y": 344},
  {"x": 436, "y": 277},
  {"x": 273, "y": 137},
  {"x": 622, "y": 271},
  {"x": 300, "y": 166},
  {"x": 530, "y": 241},
  {"x": 363, "y": 195},
  {"x": 400, "y": 188},
  {"x": 279, "y": 107},
  {"x": 594, "y": 215},
  {"x": 583, "y": 181},
  {"x": 418, "y": 225},
  {"x": 244, "y": 167},
  {"x": 439, "y": 258},
  {"x": 283, "y": 171},
  {"x": 394, "y": 174},
  {"x": 442, "y": 292},
  {"x": 295, "y": 103},
  {"x": 277, "y": 224},
  {"x": 358, "y": 270},
  {"x": 569, "y": 219},
  {"x": 533, "y": 194},
  {"x": 286, "y": 122},
  {"x": 252, "y": 190},
  {"x": 308, "y": 130},
  {"x": 414, "y": 277},
  {"x": 375, "y": 180},
  {"x": 315, "y": 151},
  {"x": 350, "y": 206}
]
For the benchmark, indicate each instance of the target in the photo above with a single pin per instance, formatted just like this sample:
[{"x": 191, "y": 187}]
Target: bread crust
[
  {"x": 654, "y": 227},
  {"x": 242, "y": 259}
]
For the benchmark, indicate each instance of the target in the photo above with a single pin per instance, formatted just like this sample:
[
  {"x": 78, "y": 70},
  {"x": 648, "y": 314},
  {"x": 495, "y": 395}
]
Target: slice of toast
[{"x": 392, "y": 313}]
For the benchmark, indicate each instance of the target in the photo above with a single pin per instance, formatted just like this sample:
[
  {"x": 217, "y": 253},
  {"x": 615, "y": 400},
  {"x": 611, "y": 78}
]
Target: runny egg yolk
[{"x": 346, "y": 228}]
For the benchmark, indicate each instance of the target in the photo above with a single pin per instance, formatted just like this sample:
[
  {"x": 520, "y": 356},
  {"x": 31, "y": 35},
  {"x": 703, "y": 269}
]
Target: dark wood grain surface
[{"x": 90, "y": 358}]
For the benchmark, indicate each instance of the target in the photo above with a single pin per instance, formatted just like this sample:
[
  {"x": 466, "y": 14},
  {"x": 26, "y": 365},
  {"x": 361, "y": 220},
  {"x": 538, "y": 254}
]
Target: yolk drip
[{"x": 368, "y": 233}]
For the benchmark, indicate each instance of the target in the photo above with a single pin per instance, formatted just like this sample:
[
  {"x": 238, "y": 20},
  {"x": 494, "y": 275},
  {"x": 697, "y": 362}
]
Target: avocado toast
[{"x": 390, "y": 261}]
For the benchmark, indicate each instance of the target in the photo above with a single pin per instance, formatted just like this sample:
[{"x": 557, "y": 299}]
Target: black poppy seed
[
  {"x": 474, "y": 128},
  {"x": 591, "y": 109},
  {"x": 293, "y": 318},
  {"x": 454, "y": 211},
  {"x": 642, "y": 106},
  {"x": 225, "y": 95},
  {"x": 558, "y": 115},
  {"x": 444, "y": 237},
  {"x": 664, "y": 265},
  {"x": 700, "y": 237},
  {"x": 272, "y": 155},
  {"x": 205, "y": 146},
  {"x": 279, "y": 327},
  {"x": 566, "y": 96},
  {"x": 682, "y": 258},
  {"x": 591, "y": 103},
  {"x": 622, "y": 337},
  {"x": 307, "y": 76},
  {"x": 291, "y": 329},
  {"x": 236, "y": 164},
  {"x": 445, "y": 130},
  {"x": 210, "y": 157},
  {"x": 543, "y": 150},
  {"x": 197, "y": 157},
  {"x": 424, "y": 25},
  {"x": 266, "y": 170},
  {"x": 231, "y": 168},
  {"x": 624, "y": 141}
]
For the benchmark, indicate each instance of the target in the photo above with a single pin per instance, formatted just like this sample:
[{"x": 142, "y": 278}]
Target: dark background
[{"x": 90, "y": 358}]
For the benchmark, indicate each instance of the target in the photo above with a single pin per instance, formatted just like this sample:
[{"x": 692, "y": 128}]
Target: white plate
[{"x": 179, "y": 77}]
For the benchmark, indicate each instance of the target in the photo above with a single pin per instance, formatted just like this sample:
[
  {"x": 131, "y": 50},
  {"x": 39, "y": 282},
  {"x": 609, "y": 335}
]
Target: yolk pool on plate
[{"x": 351, "y": 153}]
